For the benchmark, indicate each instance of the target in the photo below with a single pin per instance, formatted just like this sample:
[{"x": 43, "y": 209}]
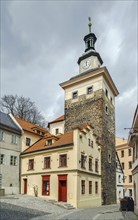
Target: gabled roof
[
  {"x": 7, "y": 123},
  {"x": 60, "y": 141},
  {"x": 27, "y": 126},
  {"x": 61, "y": 118}
]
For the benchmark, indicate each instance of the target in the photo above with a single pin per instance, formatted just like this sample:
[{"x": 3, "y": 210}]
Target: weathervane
[{"x": 89, "y": 24}]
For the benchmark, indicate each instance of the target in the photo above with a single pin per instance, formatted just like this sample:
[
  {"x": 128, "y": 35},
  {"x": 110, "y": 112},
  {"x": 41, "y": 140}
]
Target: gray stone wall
[{"x": 93, "y": 111}]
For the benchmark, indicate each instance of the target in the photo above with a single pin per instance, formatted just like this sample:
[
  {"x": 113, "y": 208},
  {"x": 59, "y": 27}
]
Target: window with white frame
[
  {"x": 13, "y": 160},
  {"x": 1, "y": 158},
  {"x": 28, "y": 141},
  {"x": 57, "y": 131},
  {"x": 14, "y": 139},
  {"x": 1, "y": 135}
]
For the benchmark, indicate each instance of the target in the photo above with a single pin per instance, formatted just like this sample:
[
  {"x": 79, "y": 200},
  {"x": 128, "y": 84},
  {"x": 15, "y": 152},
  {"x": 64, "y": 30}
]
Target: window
[
  {"x": 75, "y": 95},
  {"x": 1, "y": 135},
  {"x": 14, "y": 139},
  {"x": 83, "y": 187},
  {"x": 122, "y": 153},
  {"x": 46, "y": 185},
  {"x": 129, "y": 152},
  {"x": 119, "y": 179},
  {"x": 28, "y": 141},
  {"x": 130, "y": 164},
  {"x": 57, "y": 131},
  {"x": 82, "y": 161},
  {"x": 13, "y": 160},
  {"x": 106, "y": 93},
  {"x": 106, "y": 109},
  {"x": 90, "y": 187},
  {"x": 130, "y": 178},
  {"x": 49, "y": 142},
  {"x": 46, "y": 162},
  {"x": 111, "y": 99},
  {"x": 90, "y": 90},
  {"x": 130, "y": 192},
  {"x": 123, "y": 166},
  {"x": 31, "y": 164},
  {"x": 90, "y": 163},
  {"x": 1, "y": 158},
  {"x": 109, "y": 156},
  {"x": 96, "y": 166},
  {"x": 96, "y": 187},
  {"x": 90, "y": 143},
  {"x": 63, "y": 160}
]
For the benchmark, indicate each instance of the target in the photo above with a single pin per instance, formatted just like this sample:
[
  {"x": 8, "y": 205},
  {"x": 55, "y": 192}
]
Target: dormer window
[
  {"x": 75, "y": 95},
  {"x": 49, "y": 142}
]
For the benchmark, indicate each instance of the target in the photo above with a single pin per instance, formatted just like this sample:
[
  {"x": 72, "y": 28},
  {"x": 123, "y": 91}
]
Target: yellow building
[
  {"x": 64, "y": 168},
  {"x": 133, "y": 142},
  {"x": 31, "y": 132},
  {"x": 125, "y": 156}
]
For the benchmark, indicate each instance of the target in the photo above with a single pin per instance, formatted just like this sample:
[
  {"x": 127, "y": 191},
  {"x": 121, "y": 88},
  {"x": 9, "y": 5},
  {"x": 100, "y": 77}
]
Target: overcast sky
[{"x": 42, "y": 41}]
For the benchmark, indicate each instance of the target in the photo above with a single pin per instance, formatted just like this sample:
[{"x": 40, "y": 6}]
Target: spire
[
  {"x": 90, "y": 51},
  {"x": 89, "y": 24}
]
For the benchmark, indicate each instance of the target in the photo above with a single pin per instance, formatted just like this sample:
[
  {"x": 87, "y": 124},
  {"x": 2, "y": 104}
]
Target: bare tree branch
[{"x": 23, "y": 108}]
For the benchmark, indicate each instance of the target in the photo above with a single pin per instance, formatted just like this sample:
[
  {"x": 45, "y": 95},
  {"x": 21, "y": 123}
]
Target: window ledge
[{"x": 62, "y": 166}]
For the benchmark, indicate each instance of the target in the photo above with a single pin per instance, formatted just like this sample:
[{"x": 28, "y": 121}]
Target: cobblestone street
[{"x": 23, "y": 207}]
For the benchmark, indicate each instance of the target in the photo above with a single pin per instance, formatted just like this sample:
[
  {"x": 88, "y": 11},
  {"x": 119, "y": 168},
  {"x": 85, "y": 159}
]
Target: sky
[{"x": 41, "y": 42}]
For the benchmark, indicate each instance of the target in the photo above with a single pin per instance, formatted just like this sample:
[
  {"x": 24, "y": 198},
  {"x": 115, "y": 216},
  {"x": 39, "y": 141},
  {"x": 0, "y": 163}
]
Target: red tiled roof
[
  {"x": 61, "y": 118},
  {"x": 61, "y": 140},
  {"x": 27, "y": 126}
]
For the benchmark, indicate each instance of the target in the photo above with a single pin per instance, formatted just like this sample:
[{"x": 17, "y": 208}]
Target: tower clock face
[{"x": 86, "y": 64}]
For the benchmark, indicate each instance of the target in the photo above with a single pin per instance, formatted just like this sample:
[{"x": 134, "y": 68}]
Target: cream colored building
[
  {"x": 125, "y": 157},
  {"x": 31, "y": 132},
  {"x": 64, "y": 168},
  {"x": 133, "y": 142},
  {"x": 57, "y": 126}
]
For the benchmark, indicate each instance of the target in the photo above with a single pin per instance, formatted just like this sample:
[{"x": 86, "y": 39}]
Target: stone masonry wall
[{"x": 92, "y": 111}]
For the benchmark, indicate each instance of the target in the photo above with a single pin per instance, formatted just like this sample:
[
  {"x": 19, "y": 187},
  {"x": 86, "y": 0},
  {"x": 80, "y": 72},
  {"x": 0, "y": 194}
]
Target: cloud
[{"x": 42, "y": 41}]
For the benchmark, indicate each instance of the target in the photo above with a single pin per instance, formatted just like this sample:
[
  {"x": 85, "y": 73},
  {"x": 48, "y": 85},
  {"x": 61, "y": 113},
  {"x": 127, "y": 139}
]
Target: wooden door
[
  {"x": 25, "y": 186},
  {"x": 63, "y": 190}
]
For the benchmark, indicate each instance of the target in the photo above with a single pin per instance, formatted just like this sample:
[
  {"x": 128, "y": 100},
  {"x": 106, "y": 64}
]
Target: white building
[
  {"x": 119, "y": 179},
  {"x": 10, "y": 148}
]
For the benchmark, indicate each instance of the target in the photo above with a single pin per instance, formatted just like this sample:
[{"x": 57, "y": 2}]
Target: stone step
[{"x": 65, "y": 205}]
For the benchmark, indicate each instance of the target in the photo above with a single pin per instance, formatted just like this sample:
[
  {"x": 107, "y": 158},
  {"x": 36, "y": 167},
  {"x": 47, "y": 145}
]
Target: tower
[{"x": 90, "y": 98}]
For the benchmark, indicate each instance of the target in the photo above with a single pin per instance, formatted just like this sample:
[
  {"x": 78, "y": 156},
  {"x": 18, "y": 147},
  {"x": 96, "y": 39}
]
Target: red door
[
  {"x": 62, "y": 188},
  {"x": 25, "y": 186}
]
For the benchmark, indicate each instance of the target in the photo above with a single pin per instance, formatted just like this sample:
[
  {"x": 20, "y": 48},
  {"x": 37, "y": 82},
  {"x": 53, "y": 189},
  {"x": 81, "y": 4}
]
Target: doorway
[
  {"x": 25, "y": 186},
  {"x": 62, "y": 188}
]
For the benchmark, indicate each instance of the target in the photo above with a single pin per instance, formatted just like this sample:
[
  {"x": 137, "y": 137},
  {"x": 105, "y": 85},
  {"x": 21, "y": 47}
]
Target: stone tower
[{"x": 90, "y": 98}]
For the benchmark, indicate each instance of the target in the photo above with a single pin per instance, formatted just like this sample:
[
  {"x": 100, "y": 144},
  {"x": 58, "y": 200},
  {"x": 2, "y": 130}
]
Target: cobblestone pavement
[
  {"x": 24, "y": 207},
  {"x": 45, "y": 209}
]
